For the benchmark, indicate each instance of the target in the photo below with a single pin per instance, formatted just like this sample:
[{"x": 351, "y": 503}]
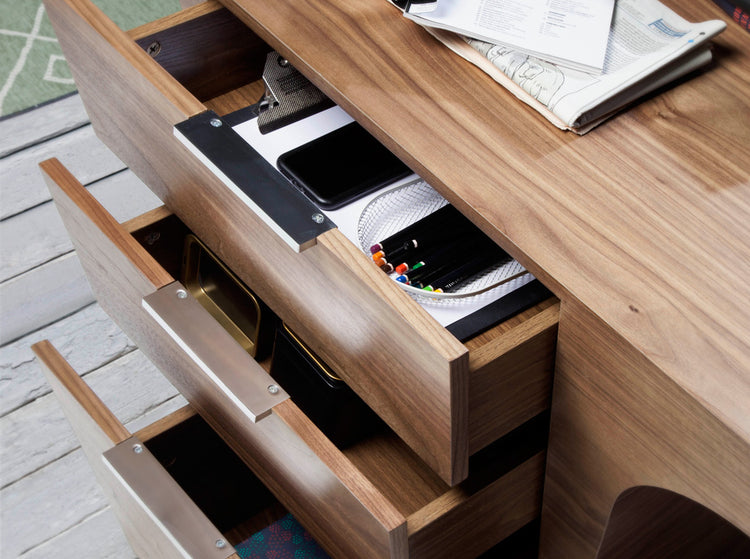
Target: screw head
[
  {"x": 273, "y": 389},
  {"x": 152, "y": 237},
  {"x": 318, "y": 218},
  {"x": 220, "y": 544},
  {"x": 181, "y": 294},
  {"x": 283, "y": 62},
  {"x": 137, "y": 448},
  {"x": 154, "y": 48},
  {"x": 215, "y": 122}
]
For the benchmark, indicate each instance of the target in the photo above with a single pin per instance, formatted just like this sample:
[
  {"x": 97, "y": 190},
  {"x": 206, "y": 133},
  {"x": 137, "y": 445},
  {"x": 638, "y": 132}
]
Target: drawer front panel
[{"x": 327, "y": 494}]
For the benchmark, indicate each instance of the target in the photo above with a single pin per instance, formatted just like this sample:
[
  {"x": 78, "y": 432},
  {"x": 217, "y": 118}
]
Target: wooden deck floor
[{"x": 50, "y": 504}]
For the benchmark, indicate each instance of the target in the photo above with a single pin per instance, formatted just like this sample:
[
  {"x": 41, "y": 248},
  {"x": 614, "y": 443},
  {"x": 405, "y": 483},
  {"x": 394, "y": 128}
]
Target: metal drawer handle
[{"x": 214, "y": 350}]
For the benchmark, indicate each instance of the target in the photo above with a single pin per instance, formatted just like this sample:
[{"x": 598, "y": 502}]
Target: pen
[{"x": 459, "y": 248}]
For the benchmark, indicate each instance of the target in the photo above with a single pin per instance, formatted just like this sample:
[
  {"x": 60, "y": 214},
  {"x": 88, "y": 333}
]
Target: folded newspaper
[{"x": 649, "y": 46}]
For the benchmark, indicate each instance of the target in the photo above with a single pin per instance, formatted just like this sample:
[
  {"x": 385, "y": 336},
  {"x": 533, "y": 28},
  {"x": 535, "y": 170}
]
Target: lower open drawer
[{"x": 180, "y": 491}]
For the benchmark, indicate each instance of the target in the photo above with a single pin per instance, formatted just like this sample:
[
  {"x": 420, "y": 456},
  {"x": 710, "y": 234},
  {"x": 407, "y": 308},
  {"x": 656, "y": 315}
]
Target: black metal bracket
[{"x": 254, "y": 180}]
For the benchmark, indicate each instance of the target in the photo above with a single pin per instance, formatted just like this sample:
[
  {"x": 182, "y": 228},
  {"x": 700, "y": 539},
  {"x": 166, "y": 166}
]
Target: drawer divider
[{"x": 214, "y": 350}]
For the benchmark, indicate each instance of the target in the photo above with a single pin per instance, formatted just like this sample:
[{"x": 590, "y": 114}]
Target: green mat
[{"x": 32, "y": 67}]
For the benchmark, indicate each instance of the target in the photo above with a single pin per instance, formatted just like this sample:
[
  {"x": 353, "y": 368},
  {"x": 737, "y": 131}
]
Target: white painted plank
[
  {"x": 47, "y": 503},
  {"x": 160, "y": 411},
  {"x": 87, "y": 340},
  {"x": 83, "y": 154},
  {"x": 38, "y": 433},
  {"x": 29, "y": 128},
  {"x": 41, "y": 296},
  {"x": 38, "y": 235},
  {"x": 98, "y": 537}
]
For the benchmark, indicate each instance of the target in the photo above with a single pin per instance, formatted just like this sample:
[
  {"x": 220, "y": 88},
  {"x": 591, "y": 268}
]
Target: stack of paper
[
  {"x": 647, "y": 47},
  {"x": 571, "y": 33}
]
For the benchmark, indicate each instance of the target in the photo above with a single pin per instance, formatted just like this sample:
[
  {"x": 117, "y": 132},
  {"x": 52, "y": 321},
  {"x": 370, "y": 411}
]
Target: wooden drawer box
[
  {"x": 376, "y": 498},
  {"x": 385, "y": 501},
  {"x": 445, "y": 399}
]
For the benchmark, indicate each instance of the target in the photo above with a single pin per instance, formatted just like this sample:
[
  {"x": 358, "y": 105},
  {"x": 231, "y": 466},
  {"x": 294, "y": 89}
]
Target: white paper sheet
[{"x": 273, "y": 144}]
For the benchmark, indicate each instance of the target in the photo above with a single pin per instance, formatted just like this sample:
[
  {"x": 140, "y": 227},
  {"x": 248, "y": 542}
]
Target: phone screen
[{"x": 341, "y": 166}]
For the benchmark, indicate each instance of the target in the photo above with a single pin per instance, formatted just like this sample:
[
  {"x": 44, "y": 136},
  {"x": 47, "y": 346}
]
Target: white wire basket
[{"x": 398, "y": 208}]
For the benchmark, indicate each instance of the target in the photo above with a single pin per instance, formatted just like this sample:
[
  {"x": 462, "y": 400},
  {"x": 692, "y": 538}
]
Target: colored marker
[
  {"x": 425, "y": 273},
  {"x": 457, "y": 275},
  {"x": 434, "y": 221},
  {"x": 459, "y": 248}
]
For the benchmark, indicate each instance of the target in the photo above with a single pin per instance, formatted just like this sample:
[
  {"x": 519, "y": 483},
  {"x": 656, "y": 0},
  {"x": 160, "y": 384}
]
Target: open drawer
[
  {"x": 176, "y": 488},
  {"x": 374, "y": 498},
  {"x": 447, "y": 400},
  {"x": 180, "y": 491}
]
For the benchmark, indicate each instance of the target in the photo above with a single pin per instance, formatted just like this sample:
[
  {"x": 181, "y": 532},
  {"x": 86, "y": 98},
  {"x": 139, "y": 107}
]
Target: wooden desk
[{"x": 640, "y": 227}]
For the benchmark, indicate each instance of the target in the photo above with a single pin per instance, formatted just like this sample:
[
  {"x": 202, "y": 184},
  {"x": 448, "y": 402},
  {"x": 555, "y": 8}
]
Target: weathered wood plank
[
  {"x": 38, "y": 433},
  {"x": 79, "y": 150},
  {"x": 38, "y": 235},
  {"x": 87, "y": 340},
  {"x": 47, "y": 503},
  {"x": 99, "y": 535},
  {"x": 42, "y": 296},
  {"x": 48, "y": 121}
]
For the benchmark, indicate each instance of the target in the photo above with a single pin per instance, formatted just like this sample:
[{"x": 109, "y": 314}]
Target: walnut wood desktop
[{"x": 640, "y": 227}]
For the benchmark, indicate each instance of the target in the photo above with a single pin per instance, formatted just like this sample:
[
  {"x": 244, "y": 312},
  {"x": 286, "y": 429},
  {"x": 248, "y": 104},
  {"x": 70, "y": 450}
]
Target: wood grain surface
[
  {"x": 185, "y": 45},
  {"x": 644, "y": 219},
  {"x": 620, "y": 423},
  {"x": 640, "y": 228},
  {"x": 641, "y": 223},
  {"x": 99, "y": 430},
  {"x": 418, "y": 385},
  {"x": 121, "y": 273},
  {"x": 85, "y": 406}
]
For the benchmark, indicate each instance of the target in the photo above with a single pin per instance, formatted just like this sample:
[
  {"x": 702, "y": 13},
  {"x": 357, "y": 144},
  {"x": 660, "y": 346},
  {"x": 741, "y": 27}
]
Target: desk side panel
[{"x": 617, "y": 423}]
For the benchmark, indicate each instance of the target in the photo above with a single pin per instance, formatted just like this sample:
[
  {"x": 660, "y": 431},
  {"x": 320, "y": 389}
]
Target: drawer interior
[
  {"x": 239, "y": 505},
  {"x": 400, "y": 475},
  {"x": 210, "y": 52},
  {"x": 214, "y": 477},
  {"x": 163, "y": 235}
]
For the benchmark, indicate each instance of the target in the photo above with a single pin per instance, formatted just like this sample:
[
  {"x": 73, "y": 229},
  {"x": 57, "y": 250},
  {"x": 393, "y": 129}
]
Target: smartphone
[{"x": 341, "y": 166}]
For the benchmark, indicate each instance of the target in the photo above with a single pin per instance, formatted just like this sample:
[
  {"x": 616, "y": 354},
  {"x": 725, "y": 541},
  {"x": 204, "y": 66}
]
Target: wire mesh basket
[{"x": 398, "y": 208}]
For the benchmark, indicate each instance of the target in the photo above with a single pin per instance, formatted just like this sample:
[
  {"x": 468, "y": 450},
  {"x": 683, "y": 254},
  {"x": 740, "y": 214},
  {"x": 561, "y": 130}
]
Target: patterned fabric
[{"x": 284, "y": 539}]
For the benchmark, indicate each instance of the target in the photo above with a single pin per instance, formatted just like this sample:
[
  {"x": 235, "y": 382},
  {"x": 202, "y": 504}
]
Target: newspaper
[
  {"x": 571, "y": 33},
  {"x": 649, "y": 47}
]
